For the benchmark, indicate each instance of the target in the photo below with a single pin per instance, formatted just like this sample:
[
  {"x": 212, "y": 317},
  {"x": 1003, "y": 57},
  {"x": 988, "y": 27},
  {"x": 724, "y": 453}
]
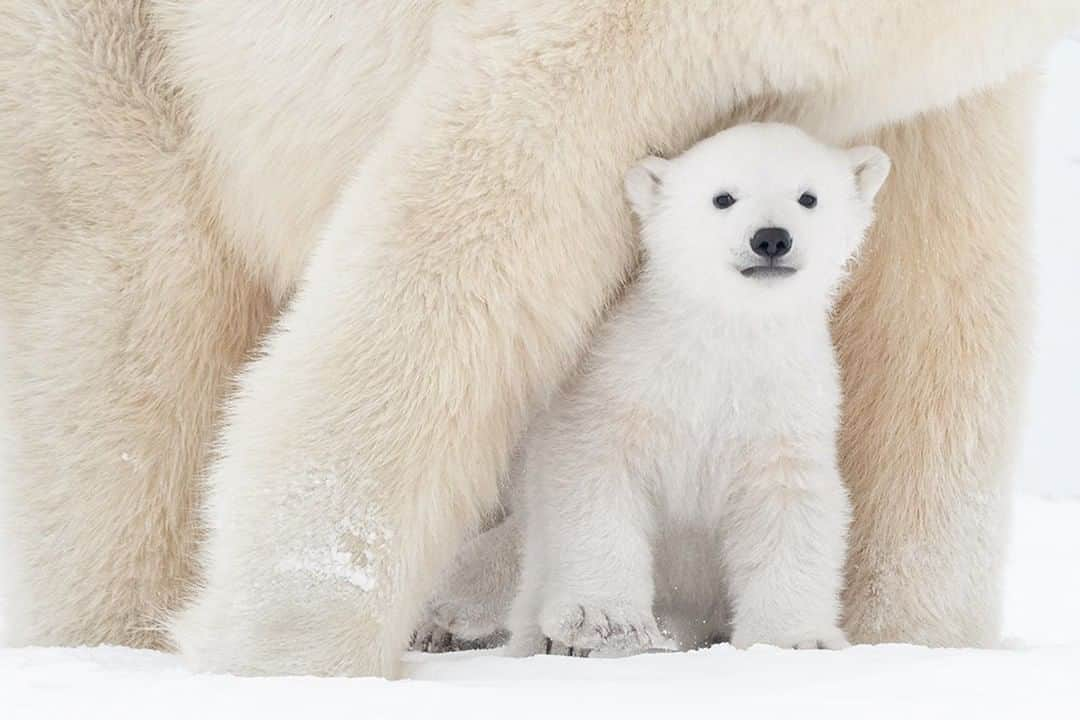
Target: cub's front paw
[
  {"x": 431, "y": 638},
  {"x": 830, "y": 638},
  {"x": 438, "y": 633},
  {"x": 464, "y": 620},
  {"x": 596, "y": 626}
]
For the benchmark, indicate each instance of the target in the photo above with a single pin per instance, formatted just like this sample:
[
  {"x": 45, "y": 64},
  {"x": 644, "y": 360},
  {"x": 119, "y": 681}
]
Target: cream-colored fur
[
  {"x": 166, "y": 172},
  {"x": 126, "y": 312}
]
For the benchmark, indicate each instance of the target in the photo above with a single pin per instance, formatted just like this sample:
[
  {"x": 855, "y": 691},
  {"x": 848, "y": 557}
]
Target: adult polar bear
[{"x": 436, "y": 186}]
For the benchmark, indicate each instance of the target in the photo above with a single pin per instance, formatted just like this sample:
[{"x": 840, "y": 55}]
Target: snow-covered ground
[{"x": 1037, "y": 676}]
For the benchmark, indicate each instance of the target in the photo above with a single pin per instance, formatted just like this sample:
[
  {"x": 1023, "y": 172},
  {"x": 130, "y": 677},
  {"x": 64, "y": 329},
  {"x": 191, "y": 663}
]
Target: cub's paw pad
[
  {"x": 577, "y": 628},
  {"x": 553, "y": 647},
  {"x": 431, "y": 638}
]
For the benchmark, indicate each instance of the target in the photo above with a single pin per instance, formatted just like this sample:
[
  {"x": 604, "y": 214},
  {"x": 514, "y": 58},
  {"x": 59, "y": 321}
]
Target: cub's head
[{"x": 760, "y": 214}]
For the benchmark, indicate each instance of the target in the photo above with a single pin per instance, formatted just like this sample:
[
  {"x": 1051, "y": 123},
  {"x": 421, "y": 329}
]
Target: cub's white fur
[{"x": 697, "y": 449}]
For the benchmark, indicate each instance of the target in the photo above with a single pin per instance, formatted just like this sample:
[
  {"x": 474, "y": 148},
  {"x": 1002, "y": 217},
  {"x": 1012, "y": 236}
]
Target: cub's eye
[
  {"x": 807, "y": 200},
  {"x": 723, "y": 200}
]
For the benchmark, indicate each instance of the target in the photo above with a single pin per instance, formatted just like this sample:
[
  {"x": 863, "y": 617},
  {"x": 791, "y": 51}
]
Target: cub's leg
[
  {"x": 593, "y": 520},
  {"x": 473, "y": 600},
  {"x": 785, "y": 528},
  {"x": 526, "y": 637}
]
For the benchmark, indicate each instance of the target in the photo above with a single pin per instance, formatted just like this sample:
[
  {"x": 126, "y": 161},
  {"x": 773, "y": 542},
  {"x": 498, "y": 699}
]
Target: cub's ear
[
  {"x": 643, "y": 183},
  {"x": 871, "y": 166}
]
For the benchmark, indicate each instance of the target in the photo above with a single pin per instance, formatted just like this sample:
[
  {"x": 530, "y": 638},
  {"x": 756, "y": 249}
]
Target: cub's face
[{"x": 761, "y": 215}]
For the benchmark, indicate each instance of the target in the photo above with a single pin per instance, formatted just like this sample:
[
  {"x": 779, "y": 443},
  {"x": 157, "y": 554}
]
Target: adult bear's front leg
[
  {"x": 454, "y": 286},
  {"x": 932, "y": 338},
  {"x": 368, "y": 439}
]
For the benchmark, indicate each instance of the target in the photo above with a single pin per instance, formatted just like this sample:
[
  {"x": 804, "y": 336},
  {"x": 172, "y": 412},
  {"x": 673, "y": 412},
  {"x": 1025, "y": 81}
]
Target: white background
[{"x": 1052, "y": 439}]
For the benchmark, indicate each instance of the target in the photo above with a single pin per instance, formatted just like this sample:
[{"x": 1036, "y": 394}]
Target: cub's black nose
[{"x": 771, "y": 242}]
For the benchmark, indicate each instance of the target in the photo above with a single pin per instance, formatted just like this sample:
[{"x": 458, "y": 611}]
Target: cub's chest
[{"x": 690, "y": 481}]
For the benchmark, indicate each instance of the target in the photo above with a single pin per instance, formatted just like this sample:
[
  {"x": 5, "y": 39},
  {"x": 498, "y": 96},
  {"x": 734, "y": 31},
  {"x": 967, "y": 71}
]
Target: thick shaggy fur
[
  {"x": 429, "y": 194},
  {"x": 689, "y": 473}
]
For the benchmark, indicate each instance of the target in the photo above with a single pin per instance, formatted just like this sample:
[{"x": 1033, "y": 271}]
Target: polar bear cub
[{"x": 684, "y": 486}]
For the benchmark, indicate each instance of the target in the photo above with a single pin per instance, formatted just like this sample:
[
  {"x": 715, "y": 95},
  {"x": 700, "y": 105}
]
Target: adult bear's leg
[
  {"x": 932, "y": 337},
  {"x": 123, "y": 318},
  {"x": 116, "y": 368}
]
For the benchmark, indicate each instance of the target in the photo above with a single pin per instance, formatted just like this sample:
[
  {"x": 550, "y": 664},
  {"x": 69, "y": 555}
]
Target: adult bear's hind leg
[{"x": 932, "y": 337}]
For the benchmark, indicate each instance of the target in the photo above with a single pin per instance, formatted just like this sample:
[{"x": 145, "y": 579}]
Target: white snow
[
  {"x": 328, "y": 563},
  {"x": 1038, "y": 676},
  {"x": 320, "y": 554}
]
